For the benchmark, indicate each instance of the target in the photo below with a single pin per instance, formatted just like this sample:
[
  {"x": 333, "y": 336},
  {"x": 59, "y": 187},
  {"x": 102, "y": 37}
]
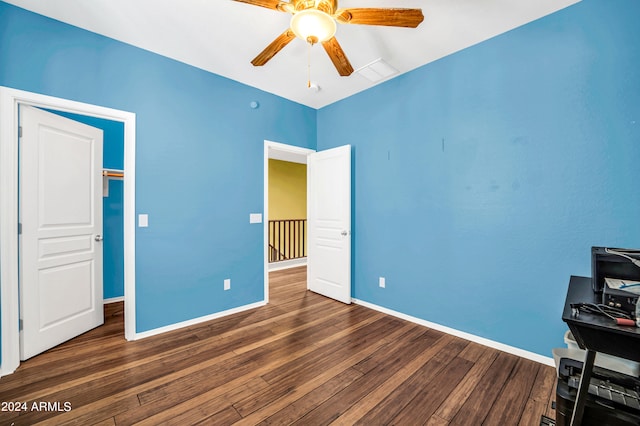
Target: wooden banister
[{"x": 287, "y": 239}]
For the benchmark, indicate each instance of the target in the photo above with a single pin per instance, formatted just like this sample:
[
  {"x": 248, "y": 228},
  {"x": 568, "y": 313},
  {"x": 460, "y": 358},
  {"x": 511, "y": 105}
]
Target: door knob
[
  {"x": 344, "y": 233},
  {"x": 98, "y": 237}
]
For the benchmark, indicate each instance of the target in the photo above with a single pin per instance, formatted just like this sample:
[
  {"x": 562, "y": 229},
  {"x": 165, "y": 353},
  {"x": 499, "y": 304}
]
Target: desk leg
[{"x": 583, "y": 388}]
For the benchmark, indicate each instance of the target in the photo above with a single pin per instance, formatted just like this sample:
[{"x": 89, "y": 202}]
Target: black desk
[{"x": 595, "y": 334}]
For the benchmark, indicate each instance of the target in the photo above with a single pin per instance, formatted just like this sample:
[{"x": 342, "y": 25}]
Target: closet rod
[{"x": 110, "y": 173}]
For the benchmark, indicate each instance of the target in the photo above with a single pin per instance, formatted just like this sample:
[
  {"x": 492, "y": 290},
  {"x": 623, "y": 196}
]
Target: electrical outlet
[
  {"x": 227, "y": 284},
  {"x": 381, "y": 282}
]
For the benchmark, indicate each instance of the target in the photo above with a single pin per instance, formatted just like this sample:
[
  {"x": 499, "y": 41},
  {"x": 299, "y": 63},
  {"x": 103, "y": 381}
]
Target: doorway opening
[
  {"x": 328, "y": 217},
  {"x": 294, "y": 227},
  {"x": 10, "y": 101},
  {"x": 287, "y": 222}
]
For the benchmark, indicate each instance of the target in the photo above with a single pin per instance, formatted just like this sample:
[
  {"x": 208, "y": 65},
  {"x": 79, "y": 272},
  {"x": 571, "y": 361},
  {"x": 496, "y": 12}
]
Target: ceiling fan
[{"x": 314, "y": 21}]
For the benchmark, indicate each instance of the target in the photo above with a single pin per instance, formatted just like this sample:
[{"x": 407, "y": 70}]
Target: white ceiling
[{"x": 223, "y": 36}]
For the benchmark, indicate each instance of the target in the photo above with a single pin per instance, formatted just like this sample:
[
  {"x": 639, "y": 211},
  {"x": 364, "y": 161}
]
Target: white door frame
[
  {"x": 279, "y": 151},
  {"x": 10, "y": 99}
]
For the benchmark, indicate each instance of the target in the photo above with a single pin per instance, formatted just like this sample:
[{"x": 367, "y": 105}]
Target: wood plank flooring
[{"x": 302, "y": 360}]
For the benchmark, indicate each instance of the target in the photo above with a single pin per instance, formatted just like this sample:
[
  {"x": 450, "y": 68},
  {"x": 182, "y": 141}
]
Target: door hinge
[
  {"x": 20, "y": 324},
  {"x": 19, "y": 131},
  {"x": 19, "y": 228}
]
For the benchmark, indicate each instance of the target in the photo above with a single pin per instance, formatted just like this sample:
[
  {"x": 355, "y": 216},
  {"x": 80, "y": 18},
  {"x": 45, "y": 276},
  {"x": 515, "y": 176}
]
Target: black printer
[{"x": 613, "y": 399}]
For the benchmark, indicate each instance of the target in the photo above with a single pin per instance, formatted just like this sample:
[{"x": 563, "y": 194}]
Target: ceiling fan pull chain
[{"x": 309, "y": 67}]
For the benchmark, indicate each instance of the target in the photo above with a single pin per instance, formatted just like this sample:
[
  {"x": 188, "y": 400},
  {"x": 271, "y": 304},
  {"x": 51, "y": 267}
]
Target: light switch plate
[
  {"x": 143, "y": 220},
  {"x": 255, "y": 218}
]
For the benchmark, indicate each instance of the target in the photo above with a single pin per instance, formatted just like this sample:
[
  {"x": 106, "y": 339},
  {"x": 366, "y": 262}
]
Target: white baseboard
[
  {"x": 467, "y": 336},
  {"x": 113, "y": 300},
  {"x": 286, "y": 264},
  {"x": 194, "y": 321}
]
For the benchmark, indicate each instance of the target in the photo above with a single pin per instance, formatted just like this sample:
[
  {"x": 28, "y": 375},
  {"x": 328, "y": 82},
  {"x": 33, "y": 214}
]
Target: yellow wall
[{"x": 287, "y": 190}]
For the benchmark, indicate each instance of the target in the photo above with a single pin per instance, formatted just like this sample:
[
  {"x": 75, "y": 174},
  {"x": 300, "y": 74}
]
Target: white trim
[
  {"x": 113, "y": 300},
  {"x": 467, "y": 336},
  {"x": 293, "y": 152},
  {"x": 287, "y": 264},
  {"x": 199, "y": 320},
  {"x": 9, "y": 101},
  {"x": 9, "y": 234}
]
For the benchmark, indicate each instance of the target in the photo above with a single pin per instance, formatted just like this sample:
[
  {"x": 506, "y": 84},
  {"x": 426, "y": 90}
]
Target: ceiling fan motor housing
[{"x": 327, "y": 6}]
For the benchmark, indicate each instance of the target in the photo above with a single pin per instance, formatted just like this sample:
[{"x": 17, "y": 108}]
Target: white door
[
  {"x": 61, "y": 240},
  {"x": 329, "y": 220}
]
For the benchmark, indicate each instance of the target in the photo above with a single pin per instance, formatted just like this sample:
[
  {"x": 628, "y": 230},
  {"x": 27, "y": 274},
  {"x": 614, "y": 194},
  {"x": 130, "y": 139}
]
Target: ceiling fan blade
[
  {"x": 409, "y": 18},
  {"x": 339, "y": 59},
  {"x": 269, "y": 4},
  {"x": 276, "y": 45}
]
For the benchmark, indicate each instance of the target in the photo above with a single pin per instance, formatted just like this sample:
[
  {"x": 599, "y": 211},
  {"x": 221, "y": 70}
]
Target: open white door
[
  {"x": 61, "y": 239},
  {"x": 329, "y": 220}
]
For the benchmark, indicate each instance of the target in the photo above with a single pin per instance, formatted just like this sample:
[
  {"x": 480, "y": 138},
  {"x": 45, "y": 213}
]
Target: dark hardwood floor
[{"x": 303, "y": 359}]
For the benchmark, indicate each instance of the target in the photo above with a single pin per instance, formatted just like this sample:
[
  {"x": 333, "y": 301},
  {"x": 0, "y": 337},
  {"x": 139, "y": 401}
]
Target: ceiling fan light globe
[{"x": 313, "y": 24}]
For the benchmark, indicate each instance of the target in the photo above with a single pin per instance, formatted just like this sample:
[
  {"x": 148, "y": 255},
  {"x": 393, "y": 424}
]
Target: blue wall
[
  {"x": 112, "y": 206},
  {"x": 483, "y": 179},
  {"x": 199, "y": 158}
]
